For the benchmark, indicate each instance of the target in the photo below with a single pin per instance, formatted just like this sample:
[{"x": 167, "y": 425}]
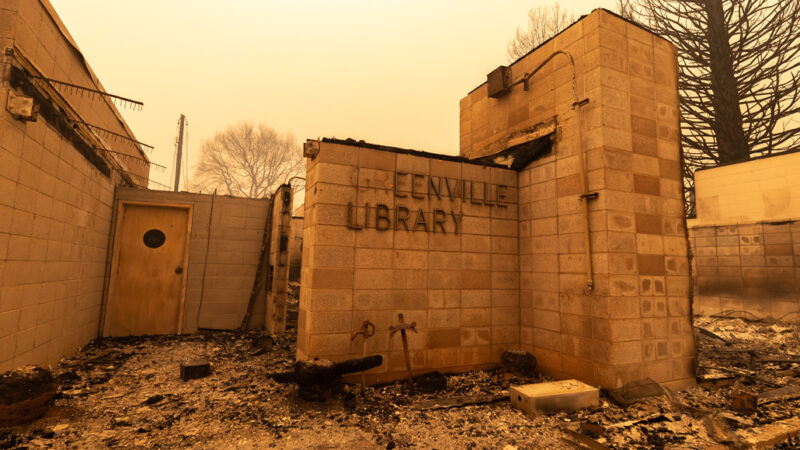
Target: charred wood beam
[{"x": 318, "y": 378}]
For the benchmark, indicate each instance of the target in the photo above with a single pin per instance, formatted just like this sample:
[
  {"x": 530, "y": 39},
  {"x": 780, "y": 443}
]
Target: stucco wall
[
  {"x": 761, "y": 190},
  {"x": 221, "y": 272}
]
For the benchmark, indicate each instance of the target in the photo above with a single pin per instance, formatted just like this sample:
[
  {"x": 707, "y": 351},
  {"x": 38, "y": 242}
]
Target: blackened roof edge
[
  {"x": 406, "y": 151},
  {"x": 634, "y": 23}
]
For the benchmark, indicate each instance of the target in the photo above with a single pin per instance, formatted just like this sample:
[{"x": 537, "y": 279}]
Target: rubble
[
  {"x": 430, "y": 382},
  {"x": 124, "y": 393},
  {"x": 263, "y": 345},
  {"x": 25, "y": 394},
  {"x": 444, "y": 403},
  {"x": 770, "y": 435},
  {"x": 317, "y": 379},
  {"x": 747, "y": 403},
  {"x": 636, "y": 390},
  {"x": 518, "y": 361}
]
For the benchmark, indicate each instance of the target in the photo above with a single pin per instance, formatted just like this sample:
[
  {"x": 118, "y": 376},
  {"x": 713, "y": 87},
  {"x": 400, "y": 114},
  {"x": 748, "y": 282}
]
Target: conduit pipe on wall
[{"x": 585, "y": 195}]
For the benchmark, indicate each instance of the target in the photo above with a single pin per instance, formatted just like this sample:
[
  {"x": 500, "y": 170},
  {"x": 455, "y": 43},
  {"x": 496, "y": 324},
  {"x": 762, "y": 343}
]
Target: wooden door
[{"x": 148, "y": 271}]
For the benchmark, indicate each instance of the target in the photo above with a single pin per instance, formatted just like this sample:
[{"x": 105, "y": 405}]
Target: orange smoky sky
[{"x": 387, "y": 72}]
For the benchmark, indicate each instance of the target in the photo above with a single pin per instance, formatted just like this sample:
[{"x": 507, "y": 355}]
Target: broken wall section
[
  {"x": 635, "y": 322},
  {"x": 296, "y": 248},
  {"x": 277, "y": 268},
  {"x": 448, "y": 263},
  {"x": 220, "y": 272}
]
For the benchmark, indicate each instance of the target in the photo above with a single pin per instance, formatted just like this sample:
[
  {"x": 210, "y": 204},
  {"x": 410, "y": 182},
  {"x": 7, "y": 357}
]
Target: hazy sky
[{"x": 386, "y": 71}]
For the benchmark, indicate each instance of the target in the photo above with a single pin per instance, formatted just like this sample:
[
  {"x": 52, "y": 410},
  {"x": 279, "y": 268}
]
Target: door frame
[{"x": 111, "y": 292}]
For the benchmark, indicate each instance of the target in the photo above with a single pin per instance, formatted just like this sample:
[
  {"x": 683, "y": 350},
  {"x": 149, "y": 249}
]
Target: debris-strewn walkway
[{"x": 128, "y": 393}]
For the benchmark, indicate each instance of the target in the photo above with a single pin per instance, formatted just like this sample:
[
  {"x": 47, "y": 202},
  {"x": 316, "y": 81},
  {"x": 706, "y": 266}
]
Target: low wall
[
  {"x": 221, "y": 272},
  {"x": 754, "y": 191}
]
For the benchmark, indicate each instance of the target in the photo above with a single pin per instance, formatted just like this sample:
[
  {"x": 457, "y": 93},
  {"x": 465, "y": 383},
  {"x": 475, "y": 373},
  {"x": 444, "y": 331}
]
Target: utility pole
[{"x": 180, "y": 152}]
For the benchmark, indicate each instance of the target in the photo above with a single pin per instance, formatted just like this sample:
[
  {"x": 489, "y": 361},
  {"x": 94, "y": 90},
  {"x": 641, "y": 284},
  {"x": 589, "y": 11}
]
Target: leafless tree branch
[
  {"x": 739, "y": 63},
  {"x": 544, "y": 22},
  {"x": 248, "y": 160}
]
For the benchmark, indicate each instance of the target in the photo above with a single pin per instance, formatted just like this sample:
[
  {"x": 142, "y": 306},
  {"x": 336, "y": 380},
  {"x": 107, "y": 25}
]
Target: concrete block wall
[
  {"x": 461, "y": 289},
  {"x": 750, "y": 270},
  {"x": 228, "y": 262},
  {"x": 38, "y": 33},
  {"x": 746, "y": 239},
  {"x": 636, "y": 321},
  {"x": 55, "y": 215},
  {"x": 55, "y": 206}
]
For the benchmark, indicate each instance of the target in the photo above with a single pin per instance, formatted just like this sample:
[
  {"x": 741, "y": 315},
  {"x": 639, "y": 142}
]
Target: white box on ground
[{"x": 554, "y": 396}]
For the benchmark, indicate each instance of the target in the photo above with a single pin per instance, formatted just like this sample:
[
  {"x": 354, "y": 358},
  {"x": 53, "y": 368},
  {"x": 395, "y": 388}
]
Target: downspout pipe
[{"x": 585, "y": 195}]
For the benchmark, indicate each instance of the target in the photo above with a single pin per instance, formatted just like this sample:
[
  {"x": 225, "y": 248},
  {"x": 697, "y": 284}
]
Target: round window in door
[{"x": 154, "y": 238}]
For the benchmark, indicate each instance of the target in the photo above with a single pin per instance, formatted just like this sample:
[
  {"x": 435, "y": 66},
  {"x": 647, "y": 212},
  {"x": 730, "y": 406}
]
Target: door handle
[{"x": 179, "y": 269}]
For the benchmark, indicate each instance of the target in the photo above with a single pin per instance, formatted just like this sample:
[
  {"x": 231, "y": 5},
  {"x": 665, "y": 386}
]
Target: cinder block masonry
[
  {"x": 746, "y": 239},
  {"x": 56, "y": 194},
  {"x": 488, "y": 251}
]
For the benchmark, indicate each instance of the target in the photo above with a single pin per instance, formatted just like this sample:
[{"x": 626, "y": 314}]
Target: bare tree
[
  {"x": 248, "y": 160},
  {"x": 627, "y": 9},
  {"x": 739, "y": 81},
  {"x": 544, "y": 22}
]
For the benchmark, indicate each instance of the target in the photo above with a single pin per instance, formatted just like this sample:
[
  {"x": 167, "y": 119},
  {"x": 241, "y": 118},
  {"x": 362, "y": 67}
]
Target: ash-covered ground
[{"x": 128, "y": 393}]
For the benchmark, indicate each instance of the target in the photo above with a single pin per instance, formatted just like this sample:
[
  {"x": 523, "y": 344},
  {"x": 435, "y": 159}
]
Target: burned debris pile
[
  {"x": 129, "y": 392},
  {"x": 318, "y": 379},
  {"x": 25, "y": 394}
]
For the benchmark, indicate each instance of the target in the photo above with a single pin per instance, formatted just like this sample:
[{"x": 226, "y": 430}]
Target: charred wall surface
[
  {"x": 296, "y": 248},
  {"x": 748, "y": 269},
  {"x": 746, "y": 239}
]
